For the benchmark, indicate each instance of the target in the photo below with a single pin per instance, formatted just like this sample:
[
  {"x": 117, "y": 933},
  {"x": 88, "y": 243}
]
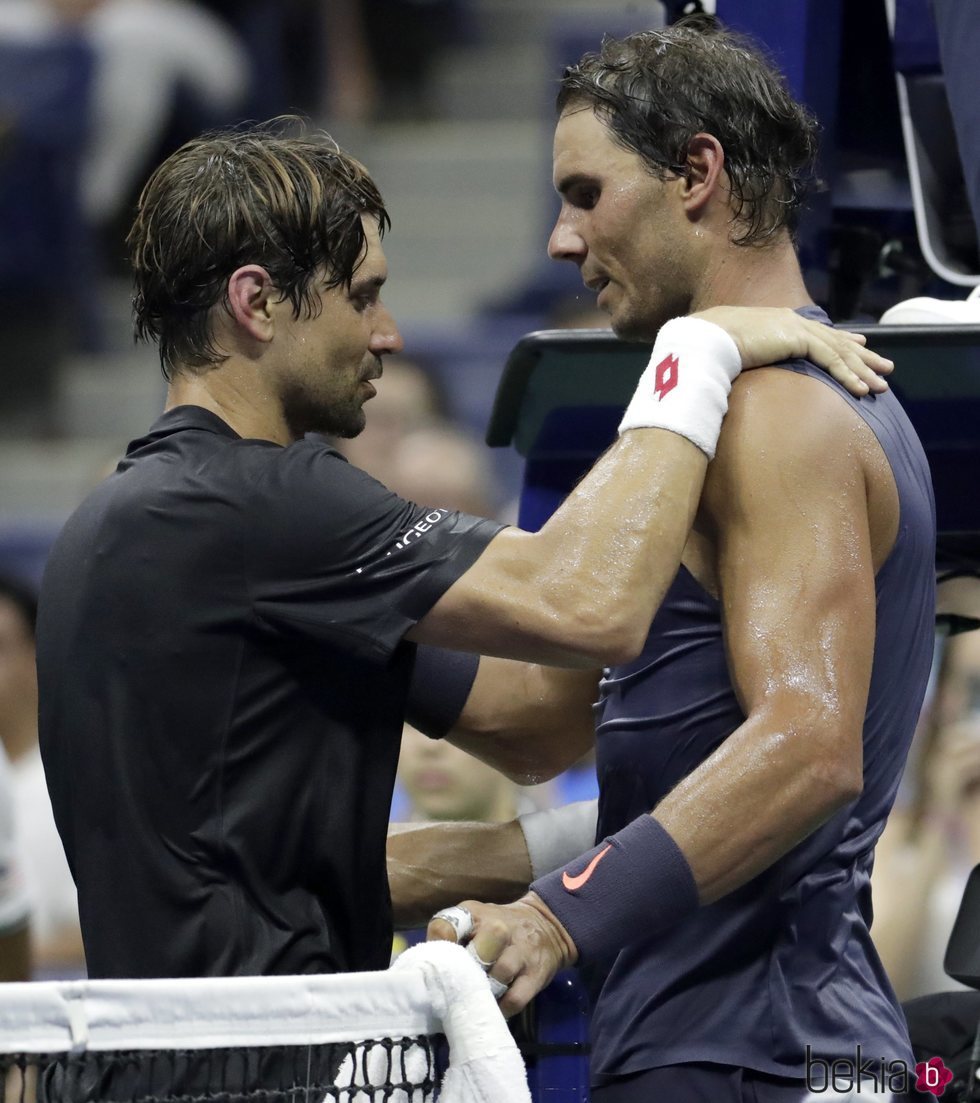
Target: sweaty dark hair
[
  {"x": 22, "y": 595},
  {"x": 291, "y": 203},
  {"x": 656, "y": 89}
]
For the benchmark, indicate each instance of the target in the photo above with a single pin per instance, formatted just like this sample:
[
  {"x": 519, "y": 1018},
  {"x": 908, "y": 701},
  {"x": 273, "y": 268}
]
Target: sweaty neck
[
  {"x": 750, "y": 275},
  {"x": 237, "y": 396}
]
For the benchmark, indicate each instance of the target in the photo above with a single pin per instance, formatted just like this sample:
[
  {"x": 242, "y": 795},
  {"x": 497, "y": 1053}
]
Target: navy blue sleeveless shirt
[{"x": 786, "y": 961}]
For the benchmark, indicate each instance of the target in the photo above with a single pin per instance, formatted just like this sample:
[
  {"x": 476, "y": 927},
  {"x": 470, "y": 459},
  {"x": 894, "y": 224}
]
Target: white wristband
[
  {"x": 557, "y": 835},
  {"x": 685, "y": 386}
]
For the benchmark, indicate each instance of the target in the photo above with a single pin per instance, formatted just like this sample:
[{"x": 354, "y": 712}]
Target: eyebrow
[{"x": 358, "y": 286}]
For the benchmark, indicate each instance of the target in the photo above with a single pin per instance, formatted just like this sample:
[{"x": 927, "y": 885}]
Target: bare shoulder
[
  {"x": 776, "y": 404},
  {"x": 785, "y": 419},
  {"x": 791, "y": 439}
]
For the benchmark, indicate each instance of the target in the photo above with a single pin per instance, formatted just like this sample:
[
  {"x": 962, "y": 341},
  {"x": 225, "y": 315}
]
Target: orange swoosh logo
[{"x": 573, "y": 883}]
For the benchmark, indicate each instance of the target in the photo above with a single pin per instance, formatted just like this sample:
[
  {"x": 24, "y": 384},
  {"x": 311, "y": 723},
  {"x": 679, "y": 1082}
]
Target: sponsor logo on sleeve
[{"x": 416, "y": 532}]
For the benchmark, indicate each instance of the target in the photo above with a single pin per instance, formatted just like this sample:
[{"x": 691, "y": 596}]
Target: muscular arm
[
  {"x": 432, "y": 865},
  {"x": 583, "y": 590},
  {"x": 789, "y": 504},
  {"x": 558, "y": 596},
  {"x": 797, "y": 545}
]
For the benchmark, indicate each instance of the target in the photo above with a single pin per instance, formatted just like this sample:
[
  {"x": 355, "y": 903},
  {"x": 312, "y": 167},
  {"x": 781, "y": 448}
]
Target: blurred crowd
[
  {"x": 932, "y": 839},
  {"x": 94, "y": 93}
]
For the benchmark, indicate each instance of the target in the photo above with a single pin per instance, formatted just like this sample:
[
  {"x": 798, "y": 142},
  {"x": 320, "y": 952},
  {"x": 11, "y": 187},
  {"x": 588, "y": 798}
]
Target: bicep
[{"x": 796, "y": 575}]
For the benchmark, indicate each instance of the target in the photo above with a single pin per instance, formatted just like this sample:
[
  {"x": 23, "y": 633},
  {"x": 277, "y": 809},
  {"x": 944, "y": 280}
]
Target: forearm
[
  {"x": 582, "y": 591},
  {"x": 435, "y": 865},
  {"x": 742, "y": 809},
  {"x": 646, "y": 489},
  {"x": 765, "y": 789}
]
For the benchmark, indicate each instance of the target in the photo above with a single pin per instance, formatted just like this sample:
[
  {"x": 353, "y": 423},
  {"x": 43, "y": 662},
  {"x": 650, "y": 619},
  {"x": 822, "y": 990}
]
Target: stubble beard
[
  {"x": 641, "y": 322},
  {"x": 305, "y": 413}
]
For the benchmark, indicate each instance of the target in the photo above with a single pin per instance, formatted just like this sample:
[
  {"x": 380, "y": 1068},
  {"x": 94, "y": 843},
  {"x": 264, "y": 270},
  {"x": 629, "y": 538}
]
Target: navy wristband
[
  {"x": 633, "y": 885},
  {"x": 441, "y": 682}
]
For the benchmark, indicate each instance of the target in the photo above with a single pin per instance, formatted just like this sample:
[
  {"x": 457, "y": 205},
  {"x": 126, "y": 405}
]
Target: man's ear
[
  {"x": 251, "y": 296},
  {"x": 706, "y": 177}
]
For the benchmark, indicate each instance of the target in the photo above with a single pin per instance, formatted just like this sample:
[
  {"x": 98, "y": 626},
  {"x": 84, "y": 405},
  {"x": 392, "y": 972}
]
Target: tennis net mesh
[{"x": 426, "y": 1030}]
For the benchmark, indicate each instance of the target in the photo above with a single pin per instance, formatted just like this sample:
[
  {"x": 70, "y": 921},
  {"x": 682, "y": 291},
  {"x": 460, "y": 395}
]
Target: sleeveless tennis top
[{"x": 786, "y": 961}]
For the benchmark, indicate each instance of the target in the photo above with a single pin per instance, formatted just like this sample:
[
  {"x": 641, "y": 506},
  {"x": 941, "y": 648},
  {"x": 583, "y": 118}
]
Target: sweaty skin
[
  {"x": 791, "y": 554},
  {"x": 789, "y": 545}
]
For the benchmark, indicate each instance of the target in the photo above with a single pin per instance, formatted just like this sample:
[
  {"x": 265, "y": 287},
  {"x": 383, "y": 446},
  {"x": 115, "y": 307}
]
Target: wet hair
[
  {"x": 290, "y": 202},
  {"x": 656, "y": 89},
  {"x": 23, "y": 596}
]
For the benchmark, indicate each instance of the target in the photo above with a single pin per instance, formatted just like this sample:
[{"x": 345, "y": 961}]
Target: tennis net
[{"x": 425, "y": 1030}]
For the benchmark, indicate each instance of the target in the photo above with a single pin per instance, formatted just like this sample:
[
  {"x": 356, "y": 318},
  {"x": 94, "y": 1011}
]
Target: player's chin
[
  {"x": 629, "y": 326},
  {"x": 348, "y": 426}
]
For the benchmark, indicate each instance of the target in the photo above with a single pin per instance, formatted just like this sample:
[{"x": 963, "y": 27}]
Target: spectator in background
[
  {"x": 90, "y": 92},
  {"x": 409, "y": 398},
  {"x": 440, "y": 783},
  {"x": 57, "y": 943},
  {"x": 352, "y": 94},
  {"x": 381, "y": 56},
  {"x": 932, "y": 841},
  {"x": 443, "y": 782},
  {"x": 148, "y": 52},
  {"x": 440, "y": 465},
  {"x": 406, "y": 39}
]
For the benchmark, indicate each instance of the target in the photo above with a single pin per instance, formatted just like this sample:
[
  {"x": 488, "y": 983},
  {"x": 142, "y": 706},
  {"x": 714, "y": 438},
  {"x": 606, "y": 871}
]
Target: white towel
[{"x": 485, "y": 1065}]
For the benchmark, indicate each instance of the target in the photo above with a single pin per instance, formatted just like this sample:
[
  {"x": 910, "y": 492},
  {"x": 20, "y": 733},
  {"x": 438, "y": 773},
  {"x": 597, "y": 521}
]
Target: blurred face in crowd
[
  {"x": 960, "y": 695},
  {"x": 445, "y": 783},
  {"x": 406, "y": 401}
]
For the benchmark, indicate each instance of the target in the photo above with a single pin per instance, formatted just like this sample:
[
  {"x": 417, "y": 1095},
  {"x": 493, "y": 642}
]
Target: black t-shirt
[{"x": 223, "y": 682}]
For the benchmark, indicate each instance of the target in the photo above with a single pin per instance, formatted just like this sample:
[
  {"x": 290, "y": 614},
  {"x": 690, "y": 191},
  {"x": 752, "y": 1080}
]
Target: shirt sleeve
[
  {"x": 441, "y": 683},
  {"x": 334, "y": 556}
]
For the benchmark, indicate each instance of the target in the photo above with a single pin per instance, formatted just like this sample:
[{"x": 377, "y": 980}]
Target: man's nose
[
  {"x": 565, "y": 242},
  {"x": 386, "y": 337}
]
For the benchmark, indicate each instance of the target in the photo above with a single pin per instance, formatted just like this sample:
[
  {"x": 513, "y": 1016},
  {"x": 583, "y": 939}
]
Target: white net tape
[{"x": 434, "y": 988}]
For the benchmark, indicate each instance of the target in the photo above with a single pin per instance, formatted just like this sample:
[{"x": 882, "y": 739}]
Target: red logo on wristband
[
  {"x": 665, "y": 379},
  {"x": 573, "y": 883}
]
